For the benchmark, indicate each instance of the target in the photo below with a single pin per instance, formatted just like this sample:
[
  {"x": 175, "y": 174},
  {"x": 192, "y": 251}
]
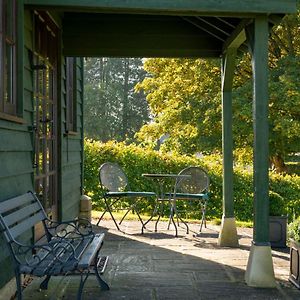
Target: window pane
[
  {"x": 8, "y": 56},
  {"x": 10, "y": 20},
  {"x": 71, "y": 93},
  {"x": 8, "y": 74}
]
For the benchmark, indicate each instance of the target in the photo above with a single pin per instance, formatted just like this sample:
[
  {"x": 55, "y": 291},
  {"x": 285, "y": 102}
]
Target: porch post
[
  {"x": 228, "y": 233},
  {"x": 260, "y": 272}
]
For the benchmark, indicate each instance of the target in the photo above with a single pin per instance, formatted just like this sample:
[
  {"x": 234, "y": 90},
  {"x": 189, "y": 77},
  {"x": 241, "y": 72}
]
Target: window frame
[
  {"x": 8, "y": 75},
  {"x": 71, "y": 95}
]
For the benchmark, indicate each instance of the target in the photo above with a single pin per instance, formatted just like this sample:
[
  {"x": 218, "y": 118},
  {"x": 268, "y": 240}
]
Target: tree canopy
[
  {"x": 112, "y": 109},
  {"x": 185, "y": 100}
]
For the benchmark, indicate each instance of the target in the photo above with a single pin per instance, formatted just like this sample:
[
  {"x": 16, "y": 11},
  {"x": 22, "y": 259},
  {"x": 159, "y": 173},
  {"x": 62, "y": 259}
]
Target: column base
[
  {"x": 260, "y": 271},
  {"x": 228, "y": 235}
]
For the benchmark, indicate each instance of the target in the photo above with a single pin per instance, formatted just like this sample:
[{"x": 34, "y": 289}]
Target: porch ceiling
[
  {"x": 158, "y": 28},
  {"x": 140, "y": 35},
  {"x": 145, "y": 35}
]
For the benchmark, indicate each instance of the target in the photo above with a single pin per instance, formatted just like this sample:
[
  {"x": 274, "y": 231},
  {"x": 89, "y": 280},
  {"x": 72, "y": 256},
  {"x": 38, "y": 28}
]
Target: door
[{"x": 45, "y": 112}]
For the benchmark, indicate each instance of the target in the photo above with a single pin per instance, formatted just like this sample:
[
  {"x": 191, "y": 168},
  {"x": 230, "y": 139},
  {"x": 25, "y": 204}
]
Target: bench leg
[
  {"x": 19, "y": 285},
  {"x": 44, "y": 284},
  {"x": 104, "y": 286},
  {"x": 83, "y": 278}
]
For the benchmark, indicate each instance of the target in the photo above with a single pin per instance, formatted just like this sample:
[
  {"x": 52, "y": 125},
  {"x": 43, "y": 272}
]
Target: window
[
  {"x": 8, "y": 57},
  {"x": 71, "y": 94}
]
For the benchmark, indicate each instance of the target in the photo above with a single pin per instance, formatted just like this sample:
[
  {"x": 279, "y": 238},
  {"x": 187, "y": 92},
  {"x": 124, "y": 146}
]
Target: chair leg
[
  {"x": 159, "y": 215},
  {"x": 179, "y": 218},
  {"x": 152, "y": 215},
  {"x": 203, "y": 219},
  {"x": 173, "y": 221},
  {"x": 44, "y": 284},
  {"x": 105, "y": 211},
  {"x": 110, "y": 212},
  {"x": 19, "y": 285},
  {"x": 127, "y": 212},
  {"x": 170, "y": 217}
]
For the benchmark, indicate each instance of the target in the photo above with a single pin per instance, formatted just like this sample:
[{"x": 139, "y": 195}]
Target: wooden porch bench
[{"x": 71, "y": 247}]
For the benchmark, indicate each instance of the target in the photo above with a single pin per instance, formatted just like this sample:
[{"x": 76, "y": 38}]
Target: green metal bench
[{"x": 71, "y": 247}]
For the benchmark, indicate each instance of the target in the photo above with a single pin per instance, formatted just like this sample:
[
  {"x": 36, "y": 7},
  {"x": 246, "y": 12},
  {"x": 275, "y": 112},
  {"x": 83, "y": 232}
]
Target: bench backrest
[{"x": 20, "y": 214}]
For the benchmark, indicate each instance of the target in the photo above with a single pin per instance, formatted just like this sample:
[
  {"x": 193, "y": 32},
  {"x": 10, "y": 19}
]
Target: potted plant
[
  {"x": 278, "y": 220},
  {"x": 294, "y": 236}
]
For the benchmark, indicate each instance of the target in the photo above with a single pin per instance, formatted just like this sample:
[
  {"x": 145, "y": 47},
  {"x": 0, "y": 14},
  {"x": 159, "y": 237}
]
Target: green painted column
[
  {"x": 228, "y": 233},
  {"x": 228, "y": 65},
  {"x": 261, "y": 131},
  {"x": 260, "y": 271}
]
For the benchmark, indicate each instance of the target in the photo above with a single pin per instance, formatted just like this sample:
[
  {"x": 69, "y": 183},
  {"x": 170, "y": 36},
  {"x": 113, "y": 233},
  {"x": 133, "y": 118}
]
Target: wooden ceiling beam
[
  {"x": 194, "y": 22},
  {"x": 188, "y": 7},
  {"x": 238, "y": 36}
]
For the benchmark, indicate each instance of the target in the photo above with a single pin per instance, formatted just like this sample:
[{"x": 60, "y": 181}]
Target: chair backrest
[
  {"x": 20, "y": 214},
  {"x": 112, "y": 177},
  {"x": 197, "y": 183}
]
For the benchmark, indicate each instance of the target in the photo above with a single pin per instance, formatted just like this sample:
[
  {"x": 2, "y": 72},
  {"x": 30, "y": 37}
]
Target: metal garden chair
[
  {"x": 114, "y": 183},
  {"x": 192, "y": 188}
]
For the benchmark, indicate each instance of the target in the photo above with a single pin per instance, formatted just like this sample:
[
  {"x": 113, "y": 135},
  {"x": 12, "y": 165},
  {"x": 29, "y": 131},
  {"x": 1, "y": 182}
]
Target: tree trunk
[{"x": 278, "y": 163}]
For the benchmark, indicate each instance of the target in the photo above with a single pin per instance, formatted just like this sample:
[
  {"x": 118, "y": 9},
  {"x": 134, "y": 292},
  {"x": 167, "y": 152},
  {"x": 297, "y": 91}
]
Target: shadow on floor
[{"x": 160, "y": 266}]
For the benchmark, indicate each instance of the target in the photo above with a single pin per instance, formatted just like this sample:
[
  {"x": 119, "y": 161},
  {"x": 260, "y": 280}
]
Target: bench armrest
[
  {"x": 58, "y": 249},
  {"x": 77, "y": 228}
]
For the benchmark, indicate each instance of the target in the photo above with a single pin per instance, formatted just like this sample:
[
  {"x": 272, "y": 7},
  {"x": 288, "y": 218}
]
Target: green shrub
[
  {"x": 294, "y": 230},
  {"x": 277, "y": 204},
  {"x": 136, "y": 160}
]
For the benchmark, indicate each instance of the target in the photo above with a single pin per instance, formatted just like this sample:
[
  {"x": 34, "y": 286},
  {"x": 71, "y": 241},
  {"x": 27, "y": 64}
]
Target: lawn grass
[{"x": 133, "y": 217}]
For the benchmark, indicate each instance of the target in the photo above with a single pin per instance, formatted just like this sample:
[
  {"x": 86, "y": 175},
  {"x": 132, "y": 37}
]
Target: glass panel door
[{"x": 45, "y": 116}]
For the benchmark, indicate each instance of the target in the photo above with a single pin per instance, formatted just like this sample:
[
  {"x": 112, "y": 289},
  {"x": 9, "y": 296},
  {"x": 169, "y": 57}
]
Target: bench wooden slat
[
  {"x": 26, "y": 224},
  {"x": 15, "y": 202},
  {"x": 22, "y": 214},
  {"x": 89, "y": 254}
]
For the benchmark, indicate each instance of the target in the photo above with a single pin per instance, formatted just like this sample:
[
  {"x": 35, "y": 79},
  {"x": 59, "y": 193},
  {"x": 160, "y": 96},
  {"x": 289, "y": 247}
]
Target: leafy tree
[
  {"x": 184, "y": 101},
  {"x": 112, "y": 109},
  {"x": 184, "y": 98}
]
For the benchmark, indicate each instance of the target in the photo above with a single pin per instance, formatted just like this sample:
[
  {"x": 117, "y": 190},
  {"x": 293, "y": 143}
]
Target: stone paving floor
[{"x": 161, "y": 266}]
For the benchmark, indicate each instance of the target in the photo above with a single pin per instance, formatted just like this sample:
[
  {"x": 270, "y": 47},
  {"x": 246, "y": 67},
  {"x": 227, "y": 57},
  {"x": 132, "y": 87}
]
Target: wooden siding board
[
  {"x": 72, "y": 144},
  {"x": 72, "y": 211},
  {"x": 71, "y": 192},
  {"x": 19, "y": 184},
  {"x": 28, "y": 102},
  {"x": 14, "y": 142},
  {"x": 79, "y": 121},
  {"x": 174, "y": 6},
  {"x": 71, "y": 157},
  {"x": 28, "y": 19},
  {"x": 27, "y": 63},
  {"x": 28, "y": 117},
  {"x": 69, "y": 170},
  {"x": 12, "y": 126},
  {"x": 28, "y": 38},
  {"x": 15, "y": 163},
  {"x": 6, "y": 267},
  {"x": 28, "y": 82}
]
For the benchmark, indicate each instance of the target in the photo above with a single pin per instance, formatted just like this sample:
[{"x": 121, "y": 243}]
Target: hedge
[{"x": 136, "y": 160}]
